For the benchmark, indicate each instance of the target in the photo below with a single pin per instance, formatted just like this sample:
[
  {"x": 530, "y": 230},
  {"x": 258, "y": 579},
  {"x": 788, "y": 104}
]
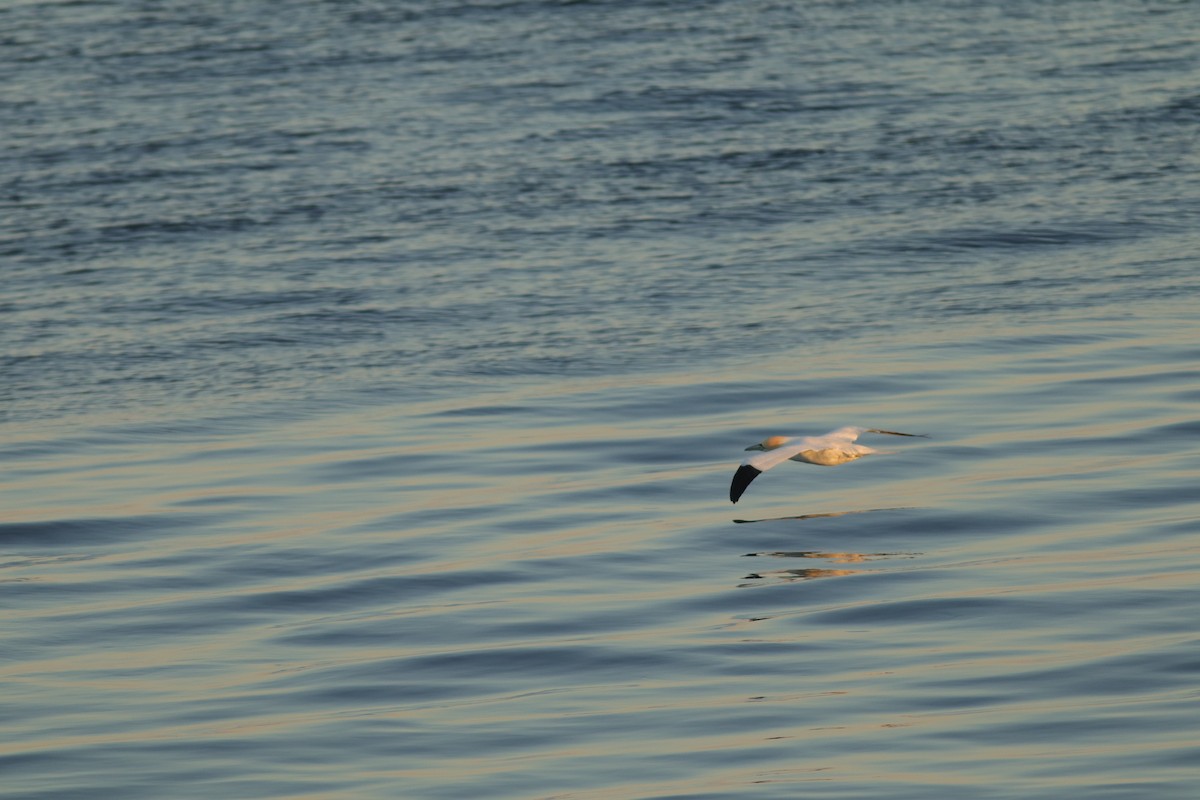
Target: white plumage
[{"x": 835, "y": 447}]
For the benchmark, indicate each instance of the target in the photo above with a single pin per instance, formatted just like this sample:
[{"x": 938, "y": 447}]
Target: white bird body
[{"x": 834, "y": 448}]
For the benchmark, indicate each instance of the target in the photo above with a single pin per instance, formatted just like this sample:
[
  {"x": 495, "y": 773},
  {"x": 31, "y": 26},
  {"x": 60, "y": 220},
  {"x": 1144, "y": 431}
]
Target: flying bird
[{"x": 836, "y": 447}]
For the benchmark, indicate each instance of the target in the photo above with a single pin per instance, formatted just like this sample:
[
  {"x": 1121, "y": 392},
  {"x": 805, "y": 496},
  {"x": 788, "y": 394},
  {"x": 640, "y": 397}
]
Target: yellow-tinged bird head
[{"x": 770, "y": 443}]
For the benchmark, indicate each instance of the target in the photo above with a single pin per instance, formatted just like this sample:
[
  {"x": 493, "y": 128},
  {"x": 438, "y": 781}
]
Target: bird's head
[{"x": 770, "y": 443}]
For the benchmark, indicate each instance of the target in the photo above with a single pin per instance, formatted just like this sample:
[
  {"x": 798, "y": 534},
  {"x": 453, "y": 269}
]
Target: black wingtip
[{"x": 741, "y": 479}]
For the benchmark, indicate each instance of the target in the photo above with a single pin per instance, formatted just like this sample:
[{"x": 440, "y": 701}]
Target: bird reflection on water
[
  {"x": 837, "y": 558},
  {"x": 811, "y": 573},
  {"x": 789, "y": 575},
  {"x": 823, "y": 514}
]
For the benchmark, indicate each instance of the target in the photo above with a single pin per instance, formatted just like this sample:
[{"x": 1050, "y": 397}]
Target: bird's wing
[
  {"x": 759, "y": 463},
  {"x": 845, "y": 435},
  {"x": 768, "y": 458},
  {"x": 741, "y": 479},
  {"x": 851, "y": 432}
]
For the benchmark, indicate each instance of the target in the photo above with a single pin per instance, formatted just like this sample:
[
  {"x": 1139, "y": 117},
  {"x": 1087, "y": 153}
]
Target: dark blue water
[{"x": 373, "y": 374}]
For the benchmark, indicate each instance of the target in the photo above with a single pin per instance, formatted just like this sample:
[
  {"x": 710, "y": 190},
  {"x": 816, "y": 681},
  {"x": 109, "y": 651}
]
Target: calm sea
[{"x": 373, "y": 374}]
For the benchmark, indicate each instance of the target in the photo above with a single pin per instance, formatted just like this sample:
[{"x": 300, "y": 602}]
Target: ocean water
[{"x": 373, "y": 374}]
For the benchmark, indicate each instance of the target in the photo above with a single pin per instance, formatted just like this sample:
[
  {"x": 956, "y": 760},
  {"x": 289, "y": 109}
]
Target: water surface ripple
[{"x": 373, "y": 377}]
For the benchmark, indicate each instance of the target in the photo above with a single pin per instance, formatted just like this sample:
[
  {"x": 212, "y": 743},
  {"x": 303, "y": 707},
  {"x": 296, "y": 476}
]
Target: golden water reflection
[
  {"x": 789, "y": 575},
  {"x": 811, "y": 573},
  {"x": 823, "y": 514}
]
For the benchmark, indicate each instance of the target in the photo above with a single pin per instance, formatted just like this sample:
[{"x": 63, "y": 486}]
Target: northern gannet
[{"x": 836, "y": 447}]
